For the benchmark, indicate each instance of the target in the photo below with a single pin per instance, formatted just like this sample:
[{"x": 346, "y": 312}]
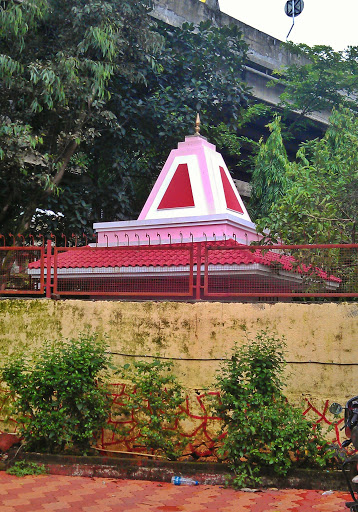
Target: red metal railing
[
  {"x": 124, "y": 271},
  {"x": 14, "y": 276},
  {"x": 192, "y": 271},
  {"x": 281, "y": 271}
]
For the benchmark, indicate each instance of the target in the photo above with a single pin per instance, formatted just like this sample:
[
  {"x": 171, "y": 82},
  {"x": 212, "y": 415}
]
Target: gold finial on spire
[{"x": 197, "y": 124}]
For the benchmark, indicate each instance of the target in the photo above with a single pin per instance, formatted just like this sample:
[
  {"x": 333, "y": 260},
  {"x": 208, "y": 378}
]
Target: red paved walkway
[{"x": 81, "y": 494}]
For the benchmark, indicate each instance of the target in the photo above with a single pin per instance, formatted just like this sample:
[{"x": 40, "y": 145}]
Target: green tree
[
  {"x": 160, "y": 76},
  {"x": 59, "y": 396},
  {"x": 318, "y": 80},
  {"x": 319, "y": 200},
  {"x": 270, "y": 172},
  {"x": 262, "y": 430},
  {"x": 199, "y": 68},
  {"x": 57, "y": 60}
]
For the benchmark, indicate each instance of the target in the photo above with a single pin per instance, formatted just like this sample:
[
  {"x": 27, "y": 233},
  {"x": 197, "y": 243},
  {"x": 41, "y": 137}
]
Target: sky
[{"x": 329, "y": 22}]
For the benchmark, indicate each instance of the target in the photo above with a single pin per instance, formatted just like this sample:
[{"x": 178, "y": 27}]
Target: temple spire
[{"x": 197, "y": 124}]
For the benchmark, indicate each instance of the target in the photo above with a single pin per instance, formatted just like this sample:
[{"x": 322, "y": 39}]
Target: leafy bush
[
  {"x": 262, "y": 428},
  {"x": 60, "y": 401},
  {"x": 6, "y": 423},
  {"x": 153, "y": 402},
  {"x": 23, "y": 468}
]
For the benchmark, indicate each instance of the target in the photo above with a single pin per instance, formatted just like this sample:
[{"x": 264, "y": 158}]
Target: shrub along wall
[{"x": 322, "y": 348}]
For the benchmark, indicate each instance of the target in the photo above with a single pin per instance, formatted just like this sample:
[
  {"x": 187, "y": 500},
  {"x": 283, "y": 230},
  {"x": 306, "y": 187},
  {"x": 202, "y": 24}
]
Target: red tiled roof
[{"x": 179, "y": 255}]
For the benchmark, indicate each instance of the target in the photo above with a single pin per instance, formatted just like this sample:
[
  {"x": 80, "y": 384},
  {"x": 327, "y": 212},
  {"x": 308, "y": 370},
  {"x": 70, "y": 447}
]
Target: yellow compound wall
[{"x": 199, "y": 334}]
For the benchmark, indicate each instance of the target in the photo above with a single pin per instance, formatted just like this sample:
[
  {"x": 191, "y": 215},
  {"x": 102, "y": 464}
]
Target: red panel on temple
[
  {"x": 178, "y": 193},
  {"x": 231, "y": 200}
]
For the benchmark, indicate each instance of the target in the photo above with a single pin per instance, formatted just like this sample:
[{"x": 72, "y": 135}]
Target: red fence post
[
  {"x": 48, "y": 269},
  {"x": 198, "y": 272}
]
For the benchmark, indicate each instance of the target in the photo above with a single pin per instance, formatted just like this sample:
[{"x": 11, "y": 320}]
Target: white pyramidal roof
[
  {"x": 194, "y": 198},
  {"x": 194, "y": 181}
]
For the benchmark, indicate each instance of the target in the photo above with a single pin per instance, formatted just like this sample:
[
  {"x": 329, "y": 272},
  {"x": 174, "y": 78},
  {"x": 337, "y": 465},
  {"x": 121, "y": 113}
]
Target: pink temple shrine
[
  {"x": 190, "y": 240},
  {"x": 193, "y": 199}
]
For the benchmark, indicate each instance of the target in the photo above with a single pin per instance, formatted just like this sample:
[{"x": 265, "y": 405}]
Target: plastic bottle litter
[
  {"x": 327, "y": 493},
  {"x": 180, "y": 480}
]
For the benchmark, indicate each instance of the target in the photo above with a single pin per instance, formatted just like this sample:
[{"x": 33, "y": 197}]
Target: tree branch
[{"x": 317, "y": 217}]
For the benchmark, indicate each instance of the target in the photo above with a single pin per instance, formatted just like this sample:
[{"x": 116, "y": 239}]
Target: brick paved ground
[{"x": 81, "y": 494}]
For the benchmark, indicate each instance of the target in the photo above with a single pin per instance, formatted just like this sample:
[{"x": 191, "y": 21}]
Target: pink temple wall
[{"x": 177, "y": 234}]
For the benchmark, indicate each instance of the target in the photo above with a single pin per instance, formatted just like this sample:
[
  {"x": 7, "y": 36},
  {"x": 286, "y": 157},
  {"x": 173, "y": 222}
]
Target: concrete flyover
[{"x": 265, "y": 52}]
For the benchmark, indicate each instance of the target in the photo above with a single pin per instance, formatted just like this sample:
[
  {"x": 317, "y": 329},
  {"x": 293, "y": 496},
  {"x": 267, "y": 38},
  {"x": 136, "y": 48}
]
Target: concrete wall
[{"x": 199, "y": 334}]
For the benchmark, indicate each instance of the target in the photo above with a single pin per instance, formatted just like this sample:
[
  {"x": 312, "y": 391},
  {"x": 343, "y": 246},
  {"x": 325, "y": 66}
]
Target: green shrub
[
  {"x": 23, "y": 468},
  {"x": 262, "y": 429},
  {"x": 153, "y": 401},
  {"x": 60, "y": 401},
  {"x": 6, "y": 423}
]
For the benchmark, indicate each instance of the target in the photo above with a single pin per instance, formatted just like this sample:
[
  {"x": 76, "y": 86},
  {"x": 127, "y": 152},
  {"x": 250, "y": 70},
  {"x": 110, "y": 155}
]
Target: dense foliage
[
  {"x": 153, "y": 401},
  {"x": 262, "y": 429},
  {"x": 311, "y": 198},
  {"x": 270, "y": 172},
  {"x": 317, "y": 200},
  {"x": 57, "y": 60},
  {"x": 59, "y": 397},
  {"x": 87, "y": 90},
  {"x": 318, "y": 80},
  {"x": 94, "y": 95}
]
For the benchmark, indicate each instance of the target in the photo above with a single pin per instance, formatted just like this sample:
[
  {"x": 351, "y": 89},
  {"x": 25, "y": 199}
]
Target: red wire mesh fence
[
  {"x": 15, "y": 278},
  {"x": 124, "y": 271},
  {"x": 281, "y": 271},
  {"x": 188, "y": 271}
]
